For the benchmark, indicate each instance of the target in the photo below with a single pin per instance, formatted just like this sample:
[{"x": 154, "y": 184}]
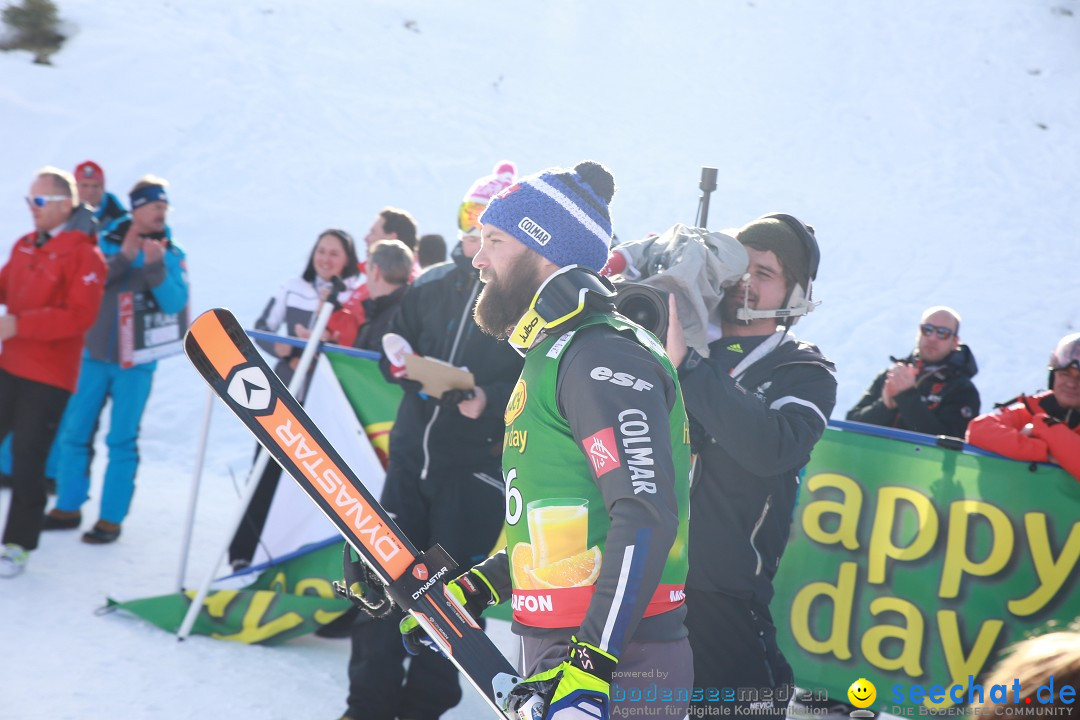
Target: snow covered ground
[{"x": 935, "y": 146}]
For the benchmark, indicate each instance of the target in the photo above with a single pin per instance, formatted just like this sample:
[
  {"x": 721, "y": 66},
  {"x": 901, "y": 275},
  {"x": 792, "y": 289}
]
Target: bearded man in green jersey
[{"x": 596, "y": 461}]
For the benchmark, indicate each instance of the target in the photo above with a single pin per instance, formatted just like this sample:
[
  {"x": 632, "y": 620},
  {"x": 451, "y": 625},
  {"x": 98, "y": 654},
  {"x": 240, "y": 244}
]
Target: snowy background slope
[{"x": 935, "y": 146}]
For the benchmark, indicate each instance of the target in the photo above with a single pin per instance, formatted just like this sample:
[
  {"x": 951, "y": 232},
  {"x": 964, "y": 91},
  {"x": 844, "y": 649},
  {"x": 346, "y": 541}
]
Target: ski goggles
[
  {"x": 43, "y": 200},
  {"x": 559, "y": 298},
  {"x": 468, "y": 218},
  {"x": 1066, "y": 356},
  {"x": 943, "y": 333}
]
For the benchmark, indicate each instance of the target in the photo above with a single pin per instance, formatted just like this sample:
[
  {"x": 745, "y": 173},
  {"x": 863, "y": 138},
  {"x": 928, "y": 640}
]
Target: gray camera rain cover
[{"x": 695, "y": 266}]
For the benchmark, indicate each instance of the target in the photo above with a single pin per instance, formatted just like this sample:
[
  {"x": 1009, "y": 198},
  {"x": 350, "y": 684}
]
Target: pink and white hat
[
  {"x": 480, "y": 194},
  {"x": 489, "y": 186}
]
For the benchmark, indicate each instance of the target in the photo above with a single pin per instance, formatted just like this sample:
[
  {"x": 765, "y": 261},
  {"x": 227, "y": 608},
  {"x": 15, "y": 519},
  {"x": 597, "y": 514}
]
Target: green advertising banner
[
  {"x": 287, "y": 600},
  {"x": 293, "y": 597},
  {"x": 911, "y": 564},
  {"x": 374, "y": 400}
]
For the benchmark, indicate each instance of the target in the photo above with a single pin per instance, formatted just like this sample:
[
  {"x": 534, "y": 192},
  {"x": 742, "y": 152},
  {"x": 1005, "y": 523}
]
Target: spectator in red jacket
[
  {"x": 1043, "y": 427},
  {"x": 52, "y": 286}
]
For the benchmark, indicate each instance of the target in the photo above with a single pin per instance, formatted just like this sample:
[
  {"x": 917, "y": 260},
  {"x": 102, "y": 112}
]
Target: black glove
[
  {"x": 362, "y": 587},
  {"x": 337, "y": 286},
  {"x": 411, "y": 385},
  {"x": 455, "y": 395}
]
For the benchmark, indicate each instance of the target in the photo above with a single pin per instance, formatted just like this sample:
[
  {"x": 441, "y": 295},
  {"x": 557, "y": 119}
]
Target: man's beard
[
  {"x": 729, "y": 307},
  {"x": 504, "y": 300}
]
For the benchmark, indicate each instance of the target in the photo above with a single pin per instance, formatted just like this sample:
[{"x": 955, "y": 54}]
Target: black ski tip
[{"x": 196, "y": 353}]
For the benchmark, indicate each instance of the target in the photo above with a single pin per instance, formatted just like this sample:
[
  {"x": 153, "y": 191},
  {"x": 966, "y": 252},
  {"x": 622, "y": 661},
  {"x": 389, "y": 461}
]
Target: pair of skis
[{"x": 220, "y": 350}]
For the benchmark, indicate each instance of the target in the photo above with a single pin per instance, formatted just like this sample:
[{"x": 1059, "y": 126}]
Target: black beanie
[{"x": 770, "y": 233}]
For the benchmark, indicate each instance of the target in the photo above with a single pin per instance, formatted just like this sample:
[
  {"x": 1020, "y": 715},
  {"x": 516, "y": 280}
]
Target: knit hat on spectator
[
  {"x": 480, "y": 194},
  {"x": 149, "y": 193},
  {"x": 771, "y": 233},
  {"x": 561, "y": 214},
  {"x": 89, "y": 170}
]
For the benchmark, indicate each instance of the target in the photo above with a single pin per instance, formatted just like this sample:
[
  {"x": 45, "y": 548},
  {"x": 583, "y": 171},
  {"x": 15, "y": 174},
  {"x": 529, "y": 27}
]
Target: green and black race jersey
[{"x": 596, "y": 462}]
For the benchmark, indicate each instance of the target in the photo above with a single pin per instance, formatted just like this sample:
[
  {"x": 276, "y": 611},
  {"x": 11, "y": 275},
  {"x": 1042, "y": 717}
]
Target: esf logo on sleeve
[{"x": 619, "y": 378}]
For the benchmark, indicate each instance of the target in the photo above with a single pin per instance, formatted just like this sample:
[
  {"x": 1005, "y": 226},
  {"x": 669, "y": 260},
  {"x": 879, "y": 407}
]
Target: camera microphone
[
  {"x": 707, "y": 185},
  {"x": 708, "y": 179}
]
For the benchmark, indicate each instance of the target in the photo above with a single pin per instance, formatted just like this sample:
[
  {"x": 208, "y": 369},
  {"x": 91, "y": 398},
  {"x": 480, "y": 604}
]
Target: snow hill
[{"x": 935, "y": 147}]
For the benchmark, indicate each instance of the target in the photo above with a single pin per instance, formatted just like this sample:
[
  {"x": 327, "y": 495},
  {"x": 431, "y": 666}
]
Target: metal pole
[
  {"x": 298, "y": 379},
  {"x": 196, "y": 481}
]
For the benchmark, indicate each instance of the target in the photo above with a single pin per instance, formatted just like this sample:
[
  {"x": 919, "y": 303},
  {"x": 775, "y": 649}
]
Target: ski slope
[{"x": 935, "y": 147}]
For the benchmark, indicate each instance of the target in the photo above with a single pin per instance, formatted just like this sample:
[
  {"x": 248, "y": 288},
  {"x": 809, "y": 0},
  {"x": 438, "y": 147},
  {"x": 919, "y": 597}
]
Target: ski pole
[{"x": 196, "y": 481}]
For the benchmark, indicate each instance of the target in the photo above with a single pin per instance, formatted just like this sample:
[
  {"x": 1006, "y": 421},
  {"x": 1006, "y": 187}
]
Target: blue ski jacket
[{"x": 166, "y": 280}]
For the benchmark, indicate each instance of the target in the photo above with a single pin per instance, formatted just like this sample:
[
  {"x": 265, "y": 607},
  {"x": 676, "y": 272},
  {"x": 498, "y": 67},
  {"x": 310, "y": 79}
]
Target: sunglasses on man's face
[
  {"x": 43, "y": 200},
  {"x": 943, "y": 333}
]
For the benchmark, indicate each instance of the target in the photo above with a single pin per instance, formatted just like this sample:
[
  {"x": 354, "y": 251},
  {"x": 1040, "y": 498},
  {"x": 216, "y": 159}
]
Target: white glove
[{"x": 396, "y": 348}]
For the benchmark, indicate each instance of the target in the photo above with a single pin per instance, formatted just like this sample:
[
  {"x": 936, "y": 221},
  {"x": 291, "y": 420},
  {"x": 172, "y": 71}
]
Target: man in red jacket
[
  {"x": 52, "y": 286},
  {"x": 1043, "y": 427}
]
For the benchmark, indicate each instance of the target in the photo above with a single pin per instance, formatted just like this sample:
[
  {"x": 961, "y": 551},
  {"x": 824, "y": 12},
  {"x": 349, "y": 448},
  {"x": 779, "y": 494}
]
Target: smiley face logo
[{"x": 862, "y": 693}]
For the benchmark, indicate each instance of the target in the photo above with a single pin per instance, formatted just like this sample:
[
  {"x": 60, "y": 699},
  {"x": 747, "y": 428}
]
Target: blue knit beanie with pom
[{"x": 560, "y": 214}]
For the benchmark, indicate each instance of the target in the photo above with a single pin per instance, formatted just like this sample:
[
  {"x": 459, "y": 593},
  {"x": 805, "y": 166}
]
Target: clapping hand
[
  {"x": 153, "y": 250},
  {"x": 898, "y": 378}
]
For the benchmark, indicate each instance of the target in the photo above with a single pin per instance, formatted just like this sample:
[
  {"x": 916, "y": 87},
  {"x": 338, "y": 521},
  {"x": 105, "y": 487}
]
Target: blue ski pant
[{"x": 128, "y": 389}]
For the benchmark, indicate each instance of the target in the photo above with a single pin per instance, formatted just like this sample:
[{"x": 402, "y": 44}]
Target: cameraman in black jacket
[{"x": 757, "y": 407}]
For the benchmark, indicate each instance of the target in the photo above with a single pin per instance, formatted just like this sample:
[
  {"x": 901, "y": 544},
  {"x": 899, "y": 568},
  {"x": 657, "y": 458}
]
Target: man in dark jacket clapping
[{"x": 930, "y": 391}]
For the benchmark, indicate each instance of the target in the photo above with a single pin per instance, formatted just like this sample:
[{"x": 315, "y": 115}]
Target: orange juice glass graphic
[{"x": 558, "y": 528}]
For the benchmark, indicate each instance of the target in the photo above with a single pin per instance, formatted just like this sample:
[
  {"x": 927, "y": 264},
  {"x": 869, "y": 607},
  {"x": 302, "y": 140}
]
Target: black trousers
[
  {"x": 462, "y": 510},
  {"x": 737, "y": 662},
  {"x": 31, "y": 411},
  {"x": 246, "y": 540}
]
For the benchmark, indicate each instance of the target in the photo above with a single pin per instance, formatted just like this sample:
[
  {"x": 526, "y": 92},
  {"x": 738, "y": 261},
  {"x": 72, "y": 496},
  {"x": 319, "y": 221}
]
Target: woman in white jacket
[
  {"x": 294, "y": 308},
  {"x": 297, "y": 301}
]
